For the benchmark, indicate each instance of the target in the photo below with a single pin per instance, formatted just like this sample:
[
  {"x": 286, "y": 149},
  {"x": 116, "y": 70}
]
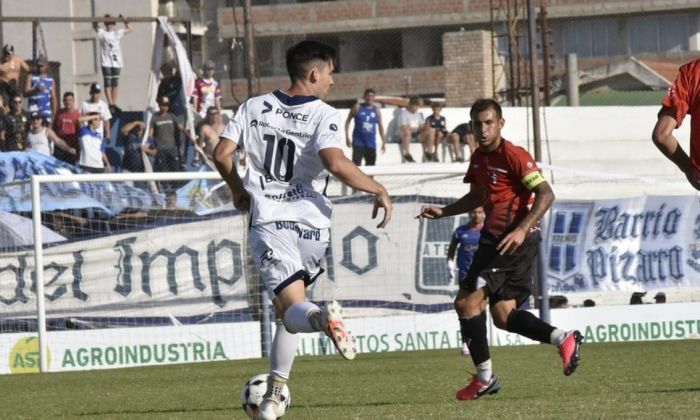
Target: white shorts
[{"x": 287, "y": 251}]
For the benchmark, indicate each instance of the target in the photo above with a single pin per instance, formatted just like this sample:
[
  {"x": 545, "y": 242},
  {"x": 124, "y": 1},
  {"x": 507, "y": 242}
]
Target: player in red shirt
[
  {"x": 504, "y": 180},
  {"x": 683, "y": 98}
]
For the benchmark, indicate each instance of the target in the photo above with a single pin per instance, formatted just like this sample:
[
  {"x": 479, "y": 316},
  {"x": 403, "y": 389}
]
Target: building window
[
  {"x": 658, "y": 34},
  {"x": 591, "y": 38}
]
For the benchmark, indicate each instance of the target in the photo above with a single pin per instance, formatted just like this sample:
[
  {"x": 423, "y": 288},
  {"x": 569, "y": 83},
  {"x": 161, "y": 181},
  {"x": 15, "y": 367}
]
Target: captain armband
[{"x": 532, "y": 180}]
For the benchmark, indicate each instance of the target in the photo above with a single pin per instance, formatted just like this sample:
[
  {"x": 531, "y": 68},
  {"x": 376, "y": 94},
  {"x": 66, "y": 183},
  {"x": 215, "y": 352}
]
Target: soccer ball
[{"x": 252, "y": 396}]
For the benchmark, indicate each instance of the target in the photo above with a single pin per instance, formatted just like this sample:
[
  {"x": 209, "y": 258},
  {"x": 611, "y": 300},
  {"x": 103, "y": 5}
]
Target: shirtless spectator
[
  {"x": 11, "y": 68},
  {"x": 209, "y": 131}
]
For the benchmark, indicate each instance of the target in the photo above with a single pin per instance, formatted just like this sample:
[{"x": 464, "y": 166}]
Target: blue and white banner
[
  {"x": 640, "y": 243},
  {"x": 201, "y": 267},
  {"x": 17, "y": 168}
]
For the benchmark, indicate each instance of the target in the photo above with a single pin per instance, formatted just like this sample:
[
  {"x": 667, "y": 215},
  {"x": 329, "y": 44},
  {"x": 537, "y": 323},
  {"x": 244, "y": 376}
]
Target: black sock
[
  {"x": 528, "y": 325},
  {"x": 474, "y": 330}
]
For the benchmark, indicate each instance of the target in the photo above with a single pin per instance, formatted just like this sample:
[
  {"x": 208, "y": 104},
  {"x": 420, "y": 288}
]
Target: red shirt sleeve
[
  {"x": 522, "y": 163},
  {"x": 678, "y": 96}
]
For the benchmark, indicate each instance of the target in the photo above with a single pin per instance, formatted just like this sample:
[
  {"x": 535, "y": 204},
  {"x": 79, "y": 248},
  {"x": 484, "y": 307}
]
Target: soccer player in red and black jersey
[
  {"x": 505, "y": 180},
  {"x": 683, "y": 98}
]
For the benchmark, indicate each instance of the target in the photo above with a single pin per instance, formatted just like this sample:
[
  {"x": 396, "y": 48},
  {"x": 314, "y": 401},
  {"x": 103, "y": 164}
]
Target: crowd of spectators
[{"x": 81, "y": 135}]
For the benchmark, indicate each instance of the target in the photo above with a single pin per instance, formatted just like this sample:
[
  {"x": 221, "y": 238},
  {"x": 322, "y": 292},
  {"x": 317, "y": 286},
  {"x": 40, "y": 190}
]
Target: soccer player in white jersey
[{"x": 293, "y": 141}]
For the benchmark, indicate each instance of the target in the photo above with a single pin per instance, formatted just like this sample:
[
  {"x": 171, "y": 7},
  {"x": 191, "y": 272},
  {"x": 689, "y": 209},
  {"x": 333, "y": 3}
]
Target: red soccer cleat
[
  {"x": 477, "y": 389},
  {"x": 568, "y": 350}
]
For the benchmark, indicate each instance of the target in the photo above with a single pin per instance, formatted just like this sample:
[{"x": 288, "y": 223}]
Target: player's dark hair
[
  {"x": 482, "y": 105},
  {"x": 369, "y": 91},
  {"x": 414, "y": 100},
  {"x": 304, "y": 53},
  {"x": 67, "y": 94}
]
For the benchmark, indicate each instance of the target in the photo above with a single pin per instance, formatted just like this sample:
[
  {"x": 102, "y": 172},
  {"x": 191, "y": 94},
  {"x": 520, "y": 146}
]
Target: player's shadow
[
  {"x": 670, "y": 391},
  {"x": 137, "y": 412}
]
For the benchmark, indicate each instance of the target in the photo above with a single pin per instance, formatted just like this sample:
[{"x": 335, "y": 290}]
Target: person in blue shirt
[
  {"x": 465, "y": 241},
  {"x": 40, "y": 90},
  {"x": 364, "y": 136},
  {"x": 93, "y": 158}
]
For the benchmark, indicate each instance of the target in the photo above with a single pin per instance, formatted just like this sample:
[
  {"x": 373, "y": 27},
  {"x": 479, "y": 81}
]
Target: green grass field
[{"x": 620, "y": 380}]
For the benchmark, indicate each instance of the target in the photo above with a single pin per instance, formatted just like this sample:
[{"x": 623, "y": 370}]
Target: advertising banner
[
  {"x": 640, "y": 243},
  {"x": 201, "y": 267}
]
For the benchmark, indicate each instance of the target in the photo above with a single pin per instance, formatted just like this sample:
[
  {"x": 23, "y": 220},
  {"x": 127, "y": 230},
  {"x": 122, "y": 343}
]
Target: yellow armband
[{"x": 532, "y": 180}]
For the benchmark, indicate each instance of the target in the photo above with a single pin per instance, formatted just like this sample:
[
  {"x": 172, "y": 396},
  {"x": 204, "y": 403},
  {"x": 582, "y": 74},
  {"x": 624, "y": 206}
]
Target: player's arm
[
  {"x": 347, "y": 172},
  {"x": 544, "y": 197},
  {"x": 59, "y": 142},
  {"x": 351, "y": 115},
  {"x": 223, "y": 159},
  {"x": 467, "y": 203},
  {"x": 452, "y": 249},
  {"x": 667, "y": 143},
  {"x": 127, "y": 26},
  {"x": 380, "y": 127}
]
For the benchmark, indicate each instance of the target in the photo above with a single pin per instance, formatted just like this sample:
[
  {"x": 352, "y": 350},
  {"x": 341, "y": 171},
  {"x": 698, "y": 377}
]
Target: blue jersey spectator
[
  {"x": 92, "y": 148},
  {"x": 364, "y": 136},
  {"x": 132, "y": 137},
  {"x": 40, "y": 90}
]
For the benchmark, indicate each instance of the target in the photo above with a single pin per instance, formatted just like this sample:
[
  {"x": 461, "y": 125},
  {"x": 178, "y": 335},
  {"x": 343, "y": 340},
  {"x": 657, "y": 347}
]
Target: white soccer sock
[
  {"x": 484, "y": 371},
  {"x": 303, "y": 317},
  {"x": 557, "y": 336},
  {"x": 284, "y": 348}
]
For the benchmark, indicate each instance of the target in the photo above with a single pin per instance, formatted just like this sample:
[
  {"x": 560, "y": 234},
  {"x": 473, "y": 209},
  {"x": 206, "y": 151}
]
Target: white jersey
[{"x": 282, "y": 136}]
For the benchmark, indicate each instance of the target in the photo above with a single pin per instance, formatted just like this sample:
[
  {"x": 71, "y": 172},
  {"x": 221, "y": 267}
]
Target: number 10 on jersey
[{"x": 275, "y": 151}]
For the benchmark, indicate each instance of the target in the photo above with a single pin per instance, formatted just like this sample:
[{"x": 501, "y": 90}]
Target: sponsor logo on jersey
[
  {"x": 296, "y": 116},
  {"x": 268, "y": 107},
  {"x": 333, "y": 127},
  {"x": 254, "y": 123}
]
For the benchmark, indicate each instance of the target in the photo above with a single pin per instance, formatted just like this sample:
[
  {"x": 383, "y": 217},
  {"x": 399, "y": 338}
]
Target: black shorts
[
  {"x": 111, "y": 76},
  {"x": 462, "y": 130},
  {"x": 369, "y": 154},
  {"x": 507, "y": 276}
]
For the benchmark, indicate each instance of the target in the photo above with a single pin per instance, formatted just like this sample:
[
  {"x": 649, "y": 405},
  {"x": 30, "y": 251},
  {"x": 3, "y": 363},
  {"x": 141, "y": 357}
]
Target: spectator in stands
[
  {"x": 207, "y": 91},
  {"x": 412, "y": 127},
  {"x": 95, "y": 104},
  {"x": 558, "y": 301},
  {"x": 134, "y": 147},
  {"x": 209, "y": 131},
  {"x": 163, "y": 129},
  {"x": 66, "y": 125},
  {"x": 171, "y": 86},
  {"x": 367, "y": 119},
  {"x": 16, "y": 130},
  {"x": 93, "y": 158},
  {"x": 42, "y": 139},
  {"x": 40, "y": 90},
  {"x": 462, "y": 134},
  {"x": 588, "y": 303},
  {"x": 660, "y": 297},
  {"x": 111, "y": 55},
  {"x": 11, "y": 68},
  {"x": 636, "y": 298},
  {"x": 437, "y": 132}
]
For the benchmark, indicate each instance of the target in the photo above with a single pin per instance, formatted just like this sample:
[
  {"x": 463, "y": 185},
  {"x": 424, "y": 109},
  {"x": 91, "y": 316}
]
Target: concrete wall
[
  {"x": 75, "y": 45},
  {"x": 595, "y": 152}
]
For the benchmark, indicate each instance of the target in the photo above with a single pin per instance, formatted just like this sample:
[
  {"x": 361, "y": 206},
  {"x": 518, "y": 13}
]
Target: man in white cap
[{"x": 95, "y": 104}]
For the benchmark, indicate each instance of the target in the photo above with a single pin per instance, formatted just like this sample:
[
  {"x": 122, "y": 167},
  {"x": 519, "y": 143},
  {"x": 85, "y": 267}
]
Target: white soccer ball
[{"x": 252, "y": 396}]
